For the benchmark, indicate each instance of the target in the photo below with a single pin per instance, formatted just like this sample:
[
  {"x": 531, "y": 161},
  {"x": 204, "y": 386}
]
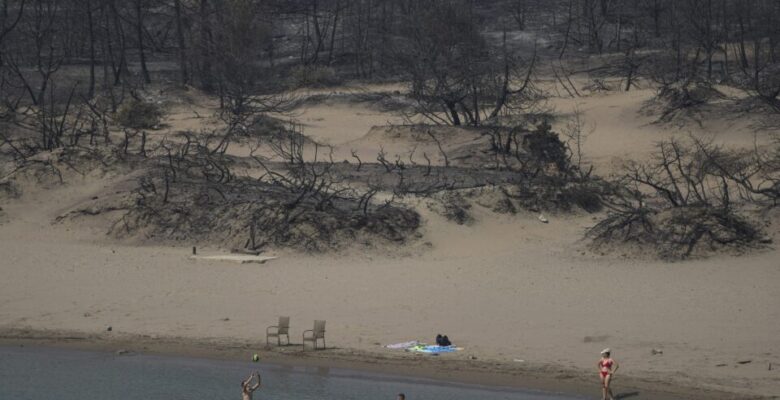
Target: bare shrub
[
  {"x": 556, "y": 194},
  {"x": 139, "y": 114},
  {"x": 530, "y": 152},
  {"x": 679, "y": 232},
  {"x": 256, "y": 215},
  {"x": 597, "y": 85},
  {"x": 681, "y": 102},
  {"x": 552, "y": 172},
  {"x": 576, "y": 133},
  {"x": 313, "y": 76},
  {"x": 453, "y": 206},
  {"x": 545, "y": 149},
  {"x": 55, "y": 167},
  {"x": 684, "y": 202},
  {"x": 191, "y": 193},
  {"x": 8, "y": 189},
  {"x": 679, "y": 96}
]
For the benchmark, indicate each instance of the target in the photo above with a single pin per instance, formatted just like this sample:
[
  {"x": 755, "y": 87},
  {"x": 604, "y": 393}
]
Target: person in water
[
  {"x": 607, "y": 368},
  {"x": 247, "y": 389},
  {"x": 401, "y": 396}
]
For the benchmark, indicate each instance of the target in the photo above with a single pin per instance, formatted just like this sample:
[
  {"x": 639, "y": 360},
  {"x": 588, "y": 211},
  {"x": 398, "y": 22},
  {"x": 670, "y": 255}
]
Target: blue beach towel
[{"x": 433, "y": 349}]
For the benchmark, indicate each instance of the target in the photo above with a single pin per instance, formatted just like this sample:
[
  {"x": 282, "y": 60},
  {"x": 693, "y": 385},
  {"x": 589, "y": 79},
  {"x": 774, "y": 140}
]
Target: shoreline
[{"x": 489, "y": 373}]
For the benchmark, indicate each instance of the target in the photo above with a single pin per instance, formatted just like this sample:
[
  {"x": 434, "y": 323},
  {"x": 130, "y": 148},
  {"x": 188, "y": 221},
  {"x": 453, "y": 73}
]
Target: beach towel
[
  {"x": 421, "y": 348},
  {"x": 404, "y": 345}
]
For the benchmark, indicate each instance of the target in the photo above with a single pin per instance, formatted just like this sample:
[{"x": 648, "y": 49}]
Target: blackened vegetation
[
  {"x": 691, "y": 199},
  {"x": 506, "y": 169},
  {"x": 193, "y": 194},
  {"x": 679, "y": 104},
  {"x": 51, "y": 168},
  {"x": 75, "y": 80},
  {"x": 457, "y": 77},
  {"x": 552, "y": 172},
  {"x": 467, "y": 62},
  {"x": 139, "y": 114},
  {"x": 453, "y": 206}
]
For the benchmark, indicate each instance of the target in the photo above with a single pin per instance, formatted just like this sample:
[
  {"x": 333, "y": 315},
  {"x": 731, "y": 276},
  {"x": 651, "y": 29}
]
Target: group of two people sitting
[{"x": 443, "y": 340}]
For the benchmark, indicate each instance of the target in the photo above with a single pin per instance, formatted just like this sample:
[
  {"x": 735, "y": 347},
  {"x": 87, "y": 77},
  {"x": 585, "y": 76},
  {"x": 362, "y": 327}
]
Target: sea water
[{"x": 35, "y": 373}]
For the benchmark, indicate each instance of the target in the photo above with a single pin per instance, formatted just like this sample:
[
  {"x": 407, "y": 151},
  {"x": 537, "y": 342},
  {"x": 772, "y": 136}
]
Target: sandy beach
[
  {"x": 695, "y": 312},
  {"x": 527, "y": 301}
]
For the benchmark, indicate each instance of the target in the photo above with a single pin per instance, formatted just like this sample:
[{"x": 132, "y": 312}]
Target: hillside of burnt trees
[
  {"x": 218, "y": 45},
  {"x": 78, "y": 77}
]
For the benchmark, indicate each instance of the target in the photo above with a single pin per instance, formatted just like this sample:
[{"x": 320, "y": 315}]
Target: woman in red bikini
[{"x": 607, "y": 368}]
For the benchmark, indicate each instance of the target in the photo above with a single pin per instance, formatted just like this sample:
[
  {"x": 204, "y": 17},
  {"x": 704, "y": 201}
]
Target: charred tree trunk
[
  {"x": 139, "y": 26},
  {"x": 92, "y": 62},
  {"x": 122, "y": 67},
  {"x": 333, "y": 32},
  {"x": 183, "y": 73},
  {"x": 206, "y": 79}
]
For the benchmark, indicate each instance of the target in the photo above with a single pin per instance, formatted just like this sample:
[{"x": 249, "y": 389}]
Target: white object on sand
[
  {"x": 543, "y": 218},
  {"x": 240, "y": 258},
  {"x": 404, "y": 345}
]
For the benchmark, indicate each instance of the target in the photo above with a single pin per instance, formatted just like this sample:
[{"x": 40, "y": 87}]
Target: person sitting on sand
[
  {"x": 607, "y": 368},
  {"x": 443, "y": 340},
  {"x": 246, "y": 390}
]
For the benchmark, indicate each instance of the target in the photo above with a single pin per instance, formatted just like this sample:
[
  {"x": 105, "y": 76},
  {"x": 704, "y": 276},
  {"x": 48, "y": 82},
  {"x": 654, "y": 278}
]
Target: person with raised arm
[{"x": 247, "y": 388}]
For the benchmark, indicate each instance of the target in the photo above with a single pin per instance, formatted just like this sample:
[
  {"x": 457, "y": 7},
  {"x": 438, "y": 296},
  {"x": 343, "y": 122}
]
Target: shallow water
[{"x": 43, "y": 374}]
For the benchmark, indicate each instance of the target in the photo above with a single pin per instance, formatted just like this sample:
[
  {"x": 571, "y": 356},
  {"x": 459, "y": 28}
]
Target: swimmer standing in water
[
  {"x": 607, "y": 368},
  {"x": 246, "y": 389}
]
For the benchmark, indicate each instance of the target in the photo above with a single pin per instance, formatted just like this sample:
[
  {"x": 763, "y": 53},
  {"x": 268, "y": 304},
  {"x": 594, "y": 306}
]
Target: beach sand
[{"x": 505, "y": 288}]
